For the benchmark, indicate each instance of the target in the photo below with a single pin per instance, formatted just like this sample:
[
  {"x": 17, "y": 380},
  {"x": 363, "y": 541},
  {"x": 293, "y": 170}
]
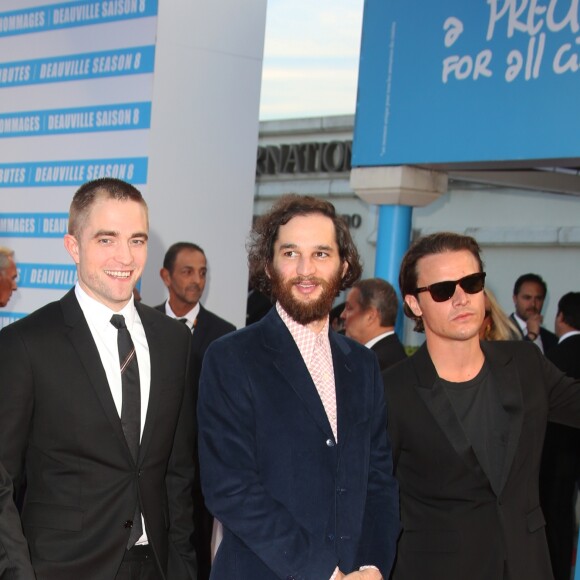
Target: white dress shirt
[{"x": 98, "y": 317}]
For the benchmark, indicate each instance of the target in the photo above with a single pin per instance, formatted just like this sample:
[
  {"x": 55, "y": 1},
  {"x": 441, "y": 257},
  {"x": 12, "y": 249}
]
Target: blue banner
[
  {"x": 33, "y": 225},
  {"x": 118, "y": 117},
  {"x": 76, "y": 67},
  {"x": 47, "y": 276},
  {"x": 76, "y": 172},
  {"x": 73, "y": 14},
  {"x": 455, "y": 81}
]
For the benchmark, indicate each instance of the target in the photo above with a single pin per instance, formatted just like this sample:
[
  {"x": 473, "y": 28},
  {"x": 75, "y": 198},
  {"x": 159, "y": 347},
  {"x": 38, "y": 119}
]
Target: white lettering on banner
[
  {"x": 17, "y": 225},
  {"x": 14, "y": 74},
  {"x": 12, "y": 175},
  {"x": 64, "y": 68},
  {"x": 72, "y": 14},
  {"x": 59, "y": 174},
  {"x": 539, "y": 20},
  {"x": 22, "y": 22},
  {"x": 52, "y": 276},
  {"x": 118, "y": 170},
  {"x": 122, "y": 7},
  {"x": 54, "y": 225},
  {"x": 66, "y": 121},
  {"x": 116, "y": 118},
  {"x": 112, "y": 63},
  {"x": 25, "y": 124}
]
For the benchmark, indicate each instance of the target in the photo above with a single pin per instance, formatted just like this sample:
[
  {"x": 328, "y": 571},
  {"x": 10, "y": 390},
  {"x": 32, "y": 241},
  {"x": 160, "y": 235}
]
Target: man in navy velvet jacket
[{"x": 295, "y": 460}]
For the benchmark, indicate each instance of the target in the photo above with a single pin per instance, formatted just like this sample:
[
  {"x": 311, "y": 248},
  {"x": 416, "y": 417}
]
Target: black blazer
[
  {"x": 455, "y": 526},
  {"x": 566, "y": 355},
  {"x": 58, "y": 416},
  {"x": 294, "y": 502},
  {"x": 14, "y": 558},
  {"x": 389, "y": 351},
  {"x": 208, "y": 328}
]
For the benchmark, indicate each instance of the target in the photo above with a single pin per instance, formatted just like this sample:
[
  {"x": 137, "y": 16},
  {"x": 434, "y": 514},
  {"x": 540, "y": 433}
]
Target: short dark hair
[
  {"x": 173, "y": 251},
  {"x": 437, "y": 243},
  {"x": 378, "y": 293},
  {"x": 530, "y": 278},
  {"x": 569, "y": 307},
  {"x": 87, "y": 194},
  {"x": 265, "y": 233}
]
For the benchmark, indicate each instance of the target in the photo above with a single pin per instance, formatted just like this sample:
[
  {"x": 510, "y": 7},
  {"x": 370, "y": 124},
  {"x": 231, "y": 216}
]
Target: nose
[
  {"x": 305, "y": 266},
  {"x": 124, "y": 254},
  {"x": 460, "y": 297}
]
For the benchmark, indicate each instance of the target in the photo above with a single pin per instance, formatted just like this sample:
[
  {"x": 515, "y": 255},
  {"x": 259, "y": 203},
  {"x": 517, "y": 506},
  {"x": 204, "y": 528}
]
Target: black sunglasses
[{"x": 442, "y": 291}]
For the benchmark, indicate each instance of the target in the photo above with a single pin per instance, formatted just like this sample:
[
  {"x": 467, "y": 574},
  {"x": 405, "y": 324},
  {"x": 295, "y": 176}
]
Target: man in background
[
  {"x": 184, "y": 273},
  {"x": 529, "y": 295},
  {"x": 292, "y": 421},
  {"x": 8, "y": 275},
  {"x": 370, "y": 315},
  {"x": 560, "y": 467}
]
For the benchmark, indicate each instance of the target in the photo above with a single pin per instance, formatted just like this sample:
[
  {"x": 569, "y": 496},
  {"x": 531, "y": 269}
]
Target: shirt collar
[
  {"x": 100, "y": 314},
  {"x": 189, "y": 316},
  {"x": 376, "y": 339},
  {"x": 568, "y": 335}
]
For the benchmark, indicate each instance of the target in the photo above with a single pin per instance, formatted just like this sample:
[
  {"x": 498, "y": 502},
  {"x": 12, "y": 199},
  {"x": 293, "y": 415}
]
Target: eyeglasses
[{"x": 442, "y": 291}]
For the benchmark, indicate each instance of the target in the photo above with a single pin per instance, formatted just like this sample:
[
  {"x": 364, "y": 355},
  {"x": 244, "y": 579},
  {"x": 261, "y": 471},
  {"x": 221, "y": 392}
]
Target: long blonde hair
[{"x": 496, "y": 324}]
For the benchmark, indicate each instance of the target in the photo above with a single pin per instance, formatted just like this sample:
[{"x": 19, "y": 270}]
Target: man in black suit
[
  {"x": 467, "y": 422},
  {"x": 370, "y": 315},
  {"x": 529, "y": 295},
  {"x": 96, "y": 404},
  {"x": 14, "y": 557},
  {"x": 560, "y": 468},
  {"x": 184, "y": 273}
]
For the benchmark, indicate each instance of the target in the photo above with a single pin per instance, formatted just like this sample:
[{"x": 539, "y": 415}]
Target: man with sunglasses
[{"x": 467, "y": 420}]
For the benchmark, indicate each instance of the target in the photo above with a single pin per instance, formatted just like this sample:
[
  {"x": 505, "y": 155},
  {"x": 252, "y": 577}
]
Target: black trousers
[{"x": 138, "y": 564}]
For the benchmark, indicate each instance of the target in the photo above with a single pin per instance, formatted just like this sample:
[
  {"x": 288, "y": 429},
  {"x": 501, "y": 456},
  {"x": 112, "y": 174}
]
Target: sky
[{"x": 310, "y": 58}]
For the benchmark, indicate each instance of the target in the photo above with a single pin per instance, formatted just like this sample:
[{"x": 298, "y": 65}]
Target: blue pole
[{"x": 393, "y": 237}]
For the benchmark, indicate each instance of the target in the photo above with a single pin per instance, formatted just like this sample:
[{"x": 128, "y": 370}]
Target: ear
[
  {"x": 372, "y": 314},
  {"x": 164, "y": 273},
  {"x": 412, "y": 302},
  {"x": 71, "y": 245},
  {"x": 344, "y": 269},
  {"x": 267, "y": 271},
  {"x": 514, "y": 298}
]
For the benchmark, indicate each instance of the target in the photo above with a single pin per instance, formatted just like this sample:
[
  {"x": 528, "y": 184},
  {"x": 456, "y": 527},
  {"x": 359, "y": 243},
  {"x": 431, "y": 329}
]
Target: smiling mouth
[{"x": 118, "y": 273}]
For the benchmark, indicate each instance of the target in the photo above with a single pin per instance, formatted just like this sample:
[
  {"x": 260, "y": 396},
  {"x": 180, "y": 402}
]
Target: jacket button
[
  {"x": 329, "y": 443},
  {"x": 128, "y": 524},
  {"x": 331, "y": 537}
]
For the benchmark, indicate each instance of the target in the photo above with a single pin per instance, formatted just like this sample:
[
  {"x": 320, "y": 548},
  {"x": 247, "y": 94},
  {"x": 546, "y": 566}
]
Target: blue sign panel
[{"x": 461, "y": 82}]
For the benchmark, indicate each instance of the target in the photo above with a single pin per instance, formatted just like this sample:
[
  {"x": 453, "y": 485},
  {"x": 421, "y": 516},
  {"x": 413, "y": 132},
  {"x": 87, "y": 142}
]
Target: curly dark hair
[
  {"x": 265, "y": 233},
  {"x": 437, "y": 243}
]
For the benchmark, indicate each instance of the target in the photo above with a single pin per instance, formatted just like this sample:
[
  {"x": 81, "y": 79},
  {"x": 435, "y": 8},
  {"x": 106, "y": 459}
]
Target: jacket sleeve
[
  {"x": 381, "y": 523},
  {"x": 182, "y": 564},
  {"x": 231, "y": 479}
]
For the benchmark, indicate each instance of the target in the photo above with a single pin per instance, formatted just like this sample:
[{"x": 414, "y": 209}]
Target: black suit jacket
[
  {"x": 208, "y": 328},
  {"x": 549, "y": 339},
  {"x": 14, "y": 558},
  {"x": 566, "y": 356},
  {"x": 58, "y": 417},
  {"x": 294, "y": 502},
  {"x": 389, "y": 351},
  {"x": 454, "y": 525}
]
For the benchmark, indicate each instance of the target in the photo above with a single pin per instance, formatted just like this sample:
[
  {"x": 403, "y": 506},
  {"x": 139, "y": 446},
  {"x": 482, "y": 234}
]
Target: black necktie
[{"x": 131, "y": 405}]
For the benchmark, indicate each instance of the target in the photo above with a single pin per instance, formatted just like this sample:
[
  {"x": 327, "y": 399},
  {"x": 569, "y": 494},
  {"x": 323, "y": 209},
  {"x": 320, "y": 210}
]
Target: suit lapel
[
  {"x": 286, "y": 358},
  {"x": 507, "y": 381},
  {"x": 349, "y": 398},
  {"x": 84, "y": 344},
  {"x": 157, "y": 364},
  {"x": 433, "y": 394}
]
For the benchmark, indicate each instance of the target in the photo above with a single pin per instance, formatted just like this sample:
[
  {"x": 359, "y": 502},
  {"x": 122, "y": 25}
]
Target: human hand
[
  {"x": 534, "y": 322},
  {"x": 367, "y": 574}
]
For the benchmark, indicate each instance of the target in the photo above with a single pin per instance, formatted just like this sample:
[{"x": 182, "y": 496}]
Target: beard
[{"x": 307, "y": 311}]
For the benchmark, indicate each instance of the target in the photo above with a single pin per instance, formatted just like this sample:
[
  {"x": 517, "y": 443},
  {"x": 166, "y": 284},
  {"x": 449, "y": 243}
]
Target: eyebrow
[
  {"x": 289, "y": 246},
  {"x": 114, "y": 234}
]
